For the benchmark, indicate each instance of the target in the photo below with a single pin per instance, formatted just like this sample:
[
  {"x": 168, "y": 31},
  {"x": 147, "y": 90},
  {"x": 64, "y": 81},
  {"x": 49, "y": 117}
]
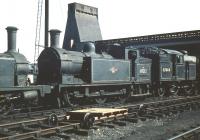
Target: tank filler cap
[{"x": 89, "y": 47}]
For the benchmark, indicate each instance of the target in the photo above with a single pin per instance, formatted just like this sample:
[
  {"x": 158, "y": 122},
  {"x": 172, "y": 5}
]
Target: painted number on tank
[
  {"x": 143, "y": 70},
  {"x": 166, "y": 69}
]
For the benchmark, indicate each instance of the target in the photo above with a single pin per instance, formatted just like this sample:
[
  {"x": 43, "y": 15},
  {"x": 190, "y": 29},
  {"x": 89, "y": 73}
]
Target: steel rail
[{"x": 188, "y": 134}]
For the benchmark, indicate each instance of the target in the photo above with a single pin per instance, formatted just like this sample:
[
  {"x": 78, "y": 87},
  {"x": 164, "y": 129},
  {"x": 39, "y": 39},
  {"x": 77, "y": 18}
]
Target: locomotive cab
[
  {"x": 190, "y": 66},
  {"x": 141, "y": 67},
  {"x": 190, "y": 74},
  {"x": 178, "y": 65}
]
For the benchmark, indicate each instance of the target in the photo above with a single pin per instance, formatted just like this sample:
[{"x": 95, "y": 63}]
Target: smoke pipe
[
  {"x": 11, "y": 31},
  {"x": 46, "y": 29},
  {"x": 55, "y": 36}
]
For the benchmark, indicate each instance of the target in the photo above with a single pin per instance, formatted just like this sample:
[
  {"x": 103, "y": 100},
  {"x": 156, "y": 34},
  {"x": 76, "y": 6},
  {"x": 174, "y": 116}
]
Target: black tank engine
[
  {"x": 15, "y": 88},
  {"x": 88, "y": 74},
  {"x": 13, "y": 64}
]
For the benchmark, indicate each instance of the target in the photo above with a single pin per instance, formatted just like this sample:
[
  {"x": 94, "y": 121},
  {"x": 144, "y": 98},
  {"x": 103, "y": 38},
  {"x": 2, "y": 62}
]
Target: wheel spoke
[
  {"x": 161, "y": 91},
  {"x": 173, "y": 89},
  {"x": 188, "y": 89},
  {"x": 100, "y": 100},
  {"x": 69, "y": 100}
]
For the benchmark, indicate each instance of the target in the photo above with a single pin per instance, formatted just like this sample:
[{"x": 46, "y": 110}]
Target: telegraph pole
[{"x": 46, "y": 37}]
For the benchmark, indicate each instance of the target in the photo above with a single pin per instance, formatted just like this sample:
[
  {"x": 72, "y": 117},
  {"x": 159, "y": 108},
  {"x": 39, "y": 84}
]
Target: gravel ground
[
  {"x": 161, "y": 129},
  {"x": 166, "y": 128}
]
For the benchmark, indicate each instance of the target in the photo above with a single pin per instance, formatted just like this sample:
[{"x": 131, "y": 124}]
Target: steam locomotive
[
  {"x": 78, "y": 75},
  {"x": 172, "y": 71},
  {"x": 15, "y": 90},
  {"x": 67, "y": 78}
]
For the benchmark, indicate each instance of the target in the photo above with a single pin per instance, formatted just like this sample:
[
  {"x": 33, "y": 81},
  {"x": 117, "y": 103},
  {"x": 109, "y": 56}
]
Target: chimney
[
  {"x": 55, "y": 36},
  {"x": 11, "y": 38}
]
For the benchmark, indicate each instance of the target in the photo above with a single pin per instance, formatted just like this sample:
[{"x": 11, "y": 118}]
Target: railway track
[
  {"x": 30, "y": 113},
  {"x": 41, "y": 111},
  {"x": 60, "y": 126},
  {"x": 193, "y": 134},
  {"x": 31, "y": 129},
  {"x": 25, "y": 113},
  {"x": 164, "y": 107}
]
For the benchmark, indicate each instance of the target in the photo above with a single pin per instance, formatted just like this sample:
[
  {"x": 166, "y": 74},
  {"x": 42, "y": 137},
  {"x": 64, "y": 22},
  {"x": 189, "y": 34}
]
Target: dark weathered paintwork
[
  {"x": 56, "y": 65},
  {"x": 100, "y": 70},
  {"x": 191, "y": 74},
  {"x": 7, "y": 74},
  {"x": 142, "y": 68},
  {"x": 180, "y": 72},
  {"x": 165, "y": 71}
]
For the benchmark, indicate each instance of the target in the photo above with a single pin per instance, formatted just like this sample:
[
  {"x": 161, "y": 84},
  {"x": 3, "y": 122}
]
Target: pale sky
[{"x": 118, "y": 18}]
